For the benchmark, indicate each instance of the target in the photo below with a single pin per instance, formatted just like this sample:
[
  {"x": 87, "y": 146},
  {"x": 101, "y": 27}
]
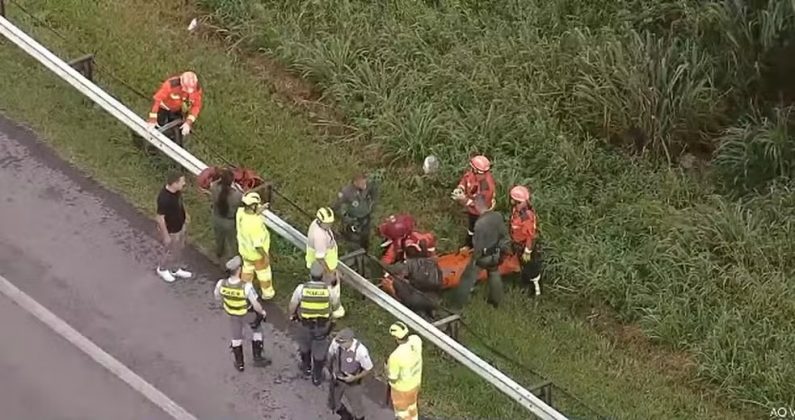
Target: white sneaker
[
  {"x": 183, "y": 274},
  {"x": 166, "y": 275}
]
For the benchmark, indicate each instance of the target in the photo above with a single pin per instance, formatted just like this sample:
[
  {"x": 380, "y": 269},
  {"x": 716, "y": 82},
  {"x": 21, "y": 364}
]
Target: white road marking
[{"x": 92, "y": 350}]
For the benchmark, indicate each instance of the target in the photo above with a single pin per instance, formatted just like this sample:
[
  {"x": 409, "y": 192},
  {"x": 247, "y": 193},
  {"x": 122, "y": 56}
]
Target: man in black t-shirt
[{"x": 172, "y": 221}]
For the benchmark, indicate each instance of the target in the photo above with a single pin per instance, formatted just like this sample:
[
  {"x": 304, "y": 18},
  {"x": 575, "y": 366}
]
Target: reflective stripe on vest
[
  {"x": 234, "y": 297},
  {"x": 315, "y": 301}
]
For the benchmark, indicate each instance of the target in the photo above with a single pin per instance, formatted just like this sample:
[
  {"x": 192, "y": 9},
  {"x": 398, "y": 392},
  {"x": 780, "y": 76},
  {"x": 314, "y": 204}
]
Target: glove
[
  {"x": 527, "y": 255},
  {"x": 185, "y": 128},
  {"x": 457, "y": 193},
  {"x": 257, "y": 321}
]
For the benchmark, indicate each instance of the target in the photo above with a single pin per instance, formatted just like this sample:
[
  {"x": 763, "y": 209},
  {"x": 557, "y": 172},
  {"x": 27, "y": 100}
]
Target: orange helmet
[
  {"x": 520, "y": 193},
  {"x": 480, "y": 163},
  {"x": 189, "y": 81}
]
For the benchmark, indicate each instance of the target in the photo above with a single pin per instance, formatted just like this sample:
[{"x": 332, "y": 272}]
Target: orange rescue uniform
[
  {"x": 524, "y": 226},
  {"x": 171, "y": 97},
  {"x": 478, "y": 184}
]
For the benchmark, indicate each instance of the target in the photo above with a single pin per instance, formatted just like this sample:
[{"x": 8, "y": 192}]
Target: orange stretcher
[{"x": 453, "y": 266}]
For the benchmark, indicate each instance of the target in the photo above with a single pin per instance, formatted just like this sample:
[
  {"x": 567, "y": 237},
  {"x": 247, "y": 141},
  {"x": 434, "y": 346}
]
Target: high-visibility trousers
[
  {"x": 257, "y": 272},
  {"x": 405, "y": 404}
]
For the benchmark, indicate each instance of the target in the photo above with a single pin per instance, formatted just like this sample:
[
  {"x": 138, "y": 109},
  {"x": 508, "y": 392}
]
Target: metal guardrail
[{"x": 119, "y": 111}]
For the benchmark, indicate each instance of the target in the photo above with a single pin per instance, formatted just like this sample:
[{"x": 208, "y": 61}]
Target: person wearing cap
[
  {"x": 241, "y": 304},
  {"x": 404, "y": 371},
  {"x": 311, "y": 305},
  {"x": 321, "y": 247},
  {"x": 349, "y": 363},
  {"x": 253, "y": 244},
  {"x": 524, "y": 231},
  {"x": 490, "y": 243},
  {"x": 476, "y": 182},
  {"x": 179, "y": 97}
]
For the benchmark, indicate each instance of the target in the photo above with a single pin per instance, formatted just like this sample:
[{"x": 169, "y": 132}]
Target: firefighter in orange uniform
[
  {"x": 524, "y": 233},
  {"x": 478, "y": 181},
  {"x": 179, "y": 97}
]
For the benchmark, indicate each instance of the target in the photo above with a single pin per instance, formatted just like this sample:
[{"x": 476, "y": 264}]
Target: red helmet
[
  {"x": 396, "y": 227},
  {"x": 480, "y": 163},
  {"x": 520, "y": 193},
  {"x": 189, "y": 81}
]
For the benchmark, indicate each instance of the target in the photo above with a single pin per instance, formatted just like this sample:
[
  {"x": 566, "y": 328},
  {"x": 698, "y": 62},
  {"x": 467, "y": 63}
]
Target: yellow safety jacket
[
  {"x": 404, "y": 367},
  {"x": 234, "y": 298},
  {"x": 331, "y": 258},
  {"x": 315, "y": 301},
  {"x": 251, "y": 234}
]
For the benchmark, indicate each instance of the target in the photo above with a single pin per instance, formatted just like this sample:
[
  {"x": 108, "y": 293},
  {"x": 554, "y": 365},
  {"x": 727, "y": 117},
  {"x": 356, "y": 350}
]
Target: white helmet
[{"x": 430, "y": 165}]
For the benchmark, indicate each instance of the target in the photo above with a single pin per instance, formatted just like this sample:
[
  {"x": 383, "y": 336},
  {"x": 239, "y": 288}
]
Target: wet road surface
[
  {"x": 81, "y": 389},
  {"x": 89, "y": 257}
]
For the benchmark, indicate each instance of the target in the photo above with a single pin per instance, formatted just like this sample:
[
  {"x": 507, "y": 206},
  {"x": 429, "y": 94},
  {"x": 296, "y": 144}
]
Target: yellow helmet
[
  {"x": 325, "y": 215},
  {"x": 251, "y": 199},
  {"x": 399, "y": 330}
]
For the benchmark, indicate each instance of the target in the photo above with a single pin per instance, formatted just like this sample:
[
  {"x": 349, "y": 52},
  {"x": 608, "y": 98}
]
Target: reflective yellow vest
[
  {"x": 332, "y": 255},
  {"x": 315, "y": 301},
  {"x": 251, "y": 232},
  {"x": 404, "y": 367},
  {"x": 234, "y": 298}
]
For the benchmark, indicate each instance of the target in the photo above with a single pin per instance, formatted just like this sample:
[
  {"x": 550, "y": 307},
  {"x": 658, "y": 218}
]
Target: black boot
[
  {"x": 256, "y": 349},
  {"x": 344, "y": 413},
  {"x": 317, "y": 372},
  {"x": 238, "y": 352},
  {"x": 306, "y": 364}
]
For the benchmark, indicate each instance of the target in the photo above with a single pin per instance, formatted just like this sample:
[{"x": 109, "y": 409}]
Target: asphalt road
[{"x": 89, "y": 257}]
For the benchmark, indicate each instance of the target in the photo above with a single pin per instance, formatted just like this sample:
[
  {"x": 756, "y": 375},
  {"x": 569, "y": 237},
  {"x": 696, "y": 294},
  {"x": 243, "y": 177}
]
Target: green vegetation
[
  {"x": 652, "y": 243},
  {"x": 555, "y": 91}
]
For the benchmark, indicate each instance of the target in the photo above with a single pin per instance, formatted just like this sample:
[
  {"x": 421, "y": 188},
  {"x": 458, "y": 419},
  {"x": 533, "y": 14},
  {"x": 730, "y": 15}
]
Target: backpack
[{"x": 424, "y": 274}]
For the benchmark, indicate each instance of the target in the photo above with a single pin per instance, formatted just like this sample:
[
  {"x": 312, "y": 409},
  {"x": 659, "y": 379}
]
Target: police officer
[
  {"x": 311, "y": 305},
  {"x": 490, "y": 243},
  {"x": 349, "y": 363},
  {"x": 241, "y": 304},
  {"x": 355, "y": 204}
]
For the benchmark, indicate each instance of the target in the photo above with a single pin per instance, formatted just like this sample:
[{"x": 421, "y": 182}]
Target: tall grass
[{"x": 545, "y": 88}]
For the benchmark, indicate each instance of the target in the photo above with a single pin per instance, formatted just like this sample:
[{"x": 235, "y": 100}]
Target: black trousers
[
  {"x": 164, "y": 117},
  {"x": 532, "y": 268}
]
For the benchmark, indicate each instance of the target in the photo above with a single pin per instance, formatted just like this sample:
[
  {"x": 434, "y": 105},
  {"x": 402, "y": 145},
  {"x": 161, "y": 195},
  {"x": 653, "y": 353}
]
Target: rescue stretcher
[{"x": 453, "y": 266}]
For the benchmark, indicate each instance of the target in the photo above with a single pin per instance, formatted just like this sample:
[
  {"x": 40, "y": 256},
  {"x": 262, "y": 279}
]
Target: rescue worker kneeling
[
  {"x": 417, "y": 281},
  {"x": 404, "y": 370},
  {"x": 241, "y": 304},
  {"x": 254, "y": 242},
  {"x": 311, "y": 305},
  {"x": 349, "y": 363}
]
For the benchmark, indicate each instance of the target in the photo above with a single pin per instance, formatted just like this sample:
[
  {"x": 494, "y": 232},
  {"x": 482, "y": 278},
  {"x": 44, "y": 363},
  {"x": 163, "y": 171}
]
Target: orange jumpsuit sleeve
[
  {"x": 160, "y": 95},
  {"x": 196, "y": 106},
  {"x": 390, "y": 255},
  {"x": 529, "y": 227},
  {"x": 489, "y": 192}
]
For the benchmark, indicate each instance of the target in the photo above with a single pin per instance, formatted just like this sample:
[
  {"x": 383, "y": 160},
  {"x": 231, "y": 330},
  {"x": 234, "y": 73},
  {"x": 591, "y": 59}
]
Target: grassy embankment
[
  {"x": 252, "y": 128},
  {"x": 701, "y": 256}
]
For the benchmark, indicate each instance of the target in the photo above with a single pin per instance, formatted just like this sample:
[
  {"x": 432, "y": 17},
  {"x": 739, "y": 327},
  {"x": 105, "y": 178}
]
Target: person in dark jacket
[
  {"x": 226, "y": 200},
  {"x": 490, "y": 243},
  {"x": 418, "y": 281}
]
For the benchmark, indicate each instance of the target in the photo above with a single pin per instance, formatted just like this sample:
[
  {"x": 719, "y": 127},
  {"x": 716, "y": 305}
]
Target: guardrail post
[
  {"x": 2, "y": 8},
  {"x": 544, "y": 390},
  {"x": 84, "y": 65}
]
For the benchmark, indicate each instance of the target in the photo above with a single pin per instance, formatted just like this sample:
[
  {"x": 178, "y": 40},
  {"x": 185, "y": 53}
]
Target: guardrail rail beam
[{"x": 119, "y": 111}]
